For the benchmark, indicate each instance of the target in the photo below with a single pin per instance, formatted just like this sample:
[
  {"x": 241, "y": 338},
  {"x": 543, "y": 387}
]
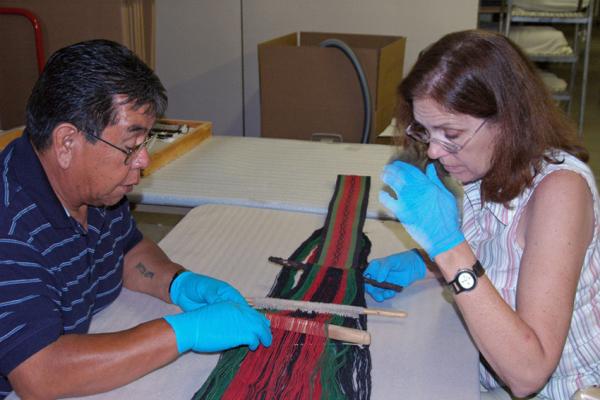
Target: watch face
[{"x": 466, "y": 280}]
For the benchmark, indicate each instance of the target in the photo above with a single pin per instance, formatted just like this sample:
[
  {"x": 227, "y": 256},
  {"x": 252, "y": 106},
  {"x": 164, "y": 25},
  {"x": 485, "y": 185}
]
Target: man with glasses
[{"x": 68, "y": 243}]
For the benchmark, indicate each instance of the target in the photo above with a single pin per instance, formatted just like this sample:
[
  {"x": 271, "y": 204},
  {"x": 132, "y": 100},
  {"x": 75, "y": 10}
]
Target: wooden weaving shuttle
[
  {"x": 298, "y": 265},
  {"x": 322, "y": 308}
]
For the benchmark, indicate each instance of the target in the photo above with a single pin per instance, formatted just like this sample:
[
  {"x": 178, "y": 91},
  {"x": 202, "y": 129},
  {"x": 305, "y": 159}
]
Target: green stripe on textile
[
  {"x": 301, "y": 255},
  {"x": 307, "y": 248},
  {"x": 334, "y": 357}
]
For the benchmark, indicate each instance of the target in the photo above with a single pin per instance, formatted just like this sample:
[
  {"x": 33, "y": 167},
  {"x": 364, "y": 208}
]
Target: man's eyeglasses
[
  {"x": 132, "y": 152},
  {"x": 421, "y": 134}
]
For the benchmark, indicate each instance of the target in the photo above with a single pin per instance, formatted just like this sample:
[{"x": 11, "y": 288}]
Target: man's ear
[{"x": 65, "y": 139}]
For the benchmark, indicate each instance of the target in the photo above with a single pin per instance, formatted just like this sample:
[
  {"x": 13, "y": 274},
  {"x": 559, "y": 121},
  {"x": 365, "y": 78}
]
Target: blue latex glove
[
  {"x": 191, "y": 291},
  {"x": 426, "y": 209},
  {"x": 220, "y": 326},
  {"x": 401, "y": 269}
]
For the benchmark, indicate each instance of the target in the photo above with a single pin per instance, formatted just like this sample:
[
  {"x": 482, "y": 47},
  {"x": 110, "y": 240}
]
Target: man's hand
[
  {"x": 426, "y": 209},
  {"x": 220, "y": 326},
  {"x": 191, "y": 291},
  {"x": 401, "y": 269}
]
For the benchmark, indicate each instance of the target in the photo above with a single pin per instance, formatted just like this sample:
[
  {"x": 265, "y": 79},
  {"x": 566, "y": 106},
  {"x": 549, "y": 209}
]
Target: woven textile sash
[{"x": 306, "y": 366}]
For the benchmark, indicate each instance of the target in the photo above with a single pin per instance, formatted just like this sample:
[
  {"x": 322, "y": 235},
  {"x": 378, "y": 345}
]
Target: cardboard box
[{"x": 307, "y": 89}]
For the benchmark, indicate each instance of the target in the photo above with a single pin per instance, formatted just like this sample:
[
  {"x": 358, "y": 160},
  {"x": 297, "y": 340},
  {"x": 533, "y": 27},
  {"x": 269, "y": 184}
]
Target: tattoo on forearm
[{"x": 146, "y": 273}]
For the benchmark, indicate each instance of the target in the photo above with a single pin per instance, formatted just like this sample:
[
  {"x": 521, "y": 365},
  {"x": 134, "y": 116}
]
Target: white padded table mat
[
  {"x": 280, "y": 174},
  {"x": 427, "y": 355}
]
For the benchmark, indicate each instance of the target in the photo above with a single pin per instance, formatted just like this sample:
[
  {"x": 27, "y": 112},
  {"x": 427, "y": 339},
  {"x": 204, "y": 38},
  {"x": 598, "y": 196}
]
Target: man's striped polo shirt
[{"x": 54, "y": 276}]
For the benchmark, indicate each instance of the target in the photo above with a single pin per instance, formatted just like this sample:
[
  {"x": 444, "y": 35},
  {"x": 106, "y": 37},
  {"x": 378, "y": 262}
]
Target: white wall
[{"x": 200, "y": 45}]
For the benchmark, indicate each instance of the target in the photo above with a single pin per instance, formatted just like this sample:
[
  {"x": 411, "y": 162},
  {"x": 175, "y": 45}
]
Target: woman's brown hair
[{"x": 485, "y": 75}]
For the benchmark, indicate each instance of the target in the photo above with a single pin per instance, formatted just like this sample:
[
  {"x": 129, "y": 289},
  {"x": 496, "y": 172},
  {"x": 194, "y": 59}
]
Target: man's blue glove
[
  {"x": 220, "y": 326},
  {"x": 401, "y": 269},
  {"x": 191, "y": 291},
  {"x": 426, "y": 209}
]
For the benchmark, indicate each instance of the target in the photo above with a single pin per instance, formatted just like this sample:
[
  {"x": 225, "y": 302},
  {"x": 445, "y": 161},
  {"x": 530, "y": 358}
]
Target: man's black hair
[{"x": 79, "y": 85}]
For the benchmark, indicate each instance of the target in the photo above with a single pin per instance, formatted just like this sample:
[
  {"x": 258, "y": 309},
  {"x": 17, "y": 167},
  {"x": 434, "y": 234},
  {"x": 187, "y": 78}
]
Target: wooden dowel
[
  {"x": 348, "y": 335},
  {"x": 382, "y": 312}
]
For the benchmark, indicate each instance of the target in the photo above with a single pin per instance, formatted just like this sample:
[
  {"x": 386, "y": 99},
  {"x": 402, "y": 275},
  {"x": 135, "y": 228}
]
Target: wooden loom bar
[{"x": 308, "y": 327}]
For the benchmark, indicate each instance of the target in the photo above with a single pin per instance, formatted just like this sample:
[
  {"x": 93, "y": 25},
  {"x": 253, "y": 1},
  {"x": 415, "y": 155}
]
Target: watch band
[
  {"x": 478, "y": 269},
  {"x": 466, "y": 278}
]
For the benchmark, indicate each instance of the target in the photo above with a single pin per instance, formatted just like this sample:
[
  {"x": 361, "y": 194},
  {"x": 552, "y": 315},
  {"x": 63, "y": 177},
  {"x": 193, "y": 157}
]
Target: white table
[
  {"x": 279, "y": 174},
  {"x": 427, "y": 355}
]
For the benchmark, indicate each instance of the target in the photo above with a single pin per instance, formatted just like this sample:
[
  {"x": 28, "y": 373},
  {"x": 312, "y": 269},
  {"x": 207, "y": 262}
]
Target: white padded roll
[
  {"x": 553, "y": 82},
  {"x": 540, "y": 40}
]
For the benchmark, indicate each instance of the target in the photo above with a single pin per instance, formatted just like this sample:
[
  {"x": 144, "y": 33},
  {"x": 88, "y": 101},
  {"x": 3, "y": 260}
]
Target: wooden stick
[
  {"x": 323, "y": 308},
  {"x": 298, "y": 265},
  {"x": 349, "y": 335},
  {"x": 309, "y": 327}
]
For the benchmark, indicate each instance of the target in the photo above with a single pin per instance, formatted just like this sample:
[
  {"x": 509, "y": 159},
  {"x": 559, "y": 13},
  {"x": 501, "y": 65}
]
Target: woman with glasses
[{"x": 524, "y": 262}]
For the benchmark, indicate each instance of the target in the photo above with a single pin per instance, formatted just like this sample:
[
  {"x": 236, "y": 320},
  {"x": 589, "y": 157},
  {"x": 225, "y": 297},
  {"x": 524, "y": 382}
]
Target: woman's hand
[
  {"x": 423, "y": 205},
  {"x": 401, "y": 269}
]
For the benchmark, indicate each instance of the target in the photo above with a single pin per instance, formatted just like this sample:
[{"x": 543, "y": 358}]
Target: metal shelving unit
[{"x": 582, "y": 21}]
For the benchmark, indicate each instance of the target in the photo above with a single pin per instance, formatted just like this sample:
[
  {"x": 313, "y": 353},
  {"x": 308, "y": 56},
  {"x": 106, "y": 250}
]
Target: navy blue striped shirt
[{"x": 54, "y": 276}]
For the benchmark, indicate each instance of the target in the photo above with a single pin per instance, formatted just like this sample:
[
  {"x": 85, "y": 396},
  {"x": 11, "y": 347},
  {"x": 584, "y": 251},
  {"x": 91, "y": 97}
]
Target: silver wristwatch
[{"x": 466, "y": 278}]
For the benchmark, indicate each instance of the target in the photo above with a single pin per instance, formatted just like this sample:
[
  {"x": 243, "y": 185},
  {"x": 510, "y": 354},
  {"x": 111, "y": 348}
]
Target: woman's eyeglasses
[{"x": 421, "y": 134}]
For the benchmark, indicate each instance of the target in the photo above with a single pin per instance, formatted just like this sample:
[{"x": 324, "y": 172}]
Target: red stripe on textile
[
  {"x": 311, "y": 258},
  {"x": 341, "y": 293},
  {"x": 341, "y": 239},
  {"x": 283, "y": 369}
]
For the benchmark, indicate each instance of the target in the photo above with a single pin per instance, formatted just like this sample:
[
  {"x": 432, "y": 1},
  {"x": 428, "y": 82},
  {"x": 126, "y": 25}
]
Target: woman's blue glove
[
  {"x": 191, "y": 291},
  {"x": 220, "y": 326},
  {"x": 424, "y": 206},
  {"x": 401, "y": 269}
]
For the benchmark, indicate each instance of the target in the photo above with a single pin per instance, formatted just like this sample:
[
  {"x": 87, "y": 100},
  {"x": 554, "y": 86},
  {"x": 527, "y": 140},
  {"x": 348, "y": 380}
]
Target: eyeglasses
[
  {"x": 132, "y": 152},
  {"x": 421, "y": 134}
]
